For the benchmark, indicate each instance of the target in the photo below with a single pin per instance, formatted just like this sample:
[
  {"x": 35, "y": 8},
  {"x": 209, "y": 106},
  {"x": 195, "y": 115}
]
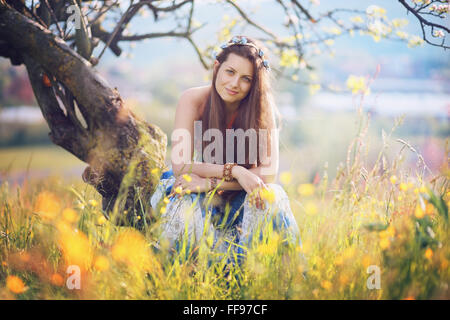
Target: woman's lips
[{"x": 231, "y": 92}]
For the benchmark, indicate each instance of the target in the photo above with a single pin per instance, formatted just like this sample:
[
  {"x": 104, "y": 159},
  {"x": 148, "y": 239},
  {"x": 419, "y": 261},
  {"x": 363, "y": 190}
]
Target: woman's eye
[
  {"x": 247, "y": 79},
  {"x": 230, "y": 71}
]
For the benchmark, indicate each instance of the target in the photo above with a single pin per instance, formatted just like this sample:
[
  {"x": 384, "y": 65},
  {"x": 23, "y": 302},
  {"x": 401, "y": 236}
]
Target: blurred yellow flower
[
  {"x": 166, "y": 200},
  {"x": 285, "y": 177},
  {"x": 366, "y": 261},
  {"x": 187, "y": 177},
  {"x": 357, "y": 84},
  {"x": 163, "y": 210},
  {"x": 313, "y": 88},
  {"x": 57, "y": 280},
  {"x": 70, "y": 215},
  {"x": 15, "y": 284},
  {"x": 327, "y": 285},
  {"x": 418, "y": 212},
  {"x": 356, "y": 19},
  {"x": 131, "y": 248},
  {"x": 393, "y": 179},
  {"x": 178, "y": 189},
  {"x": 429, "y": 209},
  {"x": 384, "y": 243},
  {"x": 311, "y": 208},
  {"x": 267, "y": 194},
  {"x": 101, "y": 263},
  {"x": 343, "y": 279},
  {"x": 306, "y": 189},
  {"x": 47, "y": 205},
  {"x": 76, "y": 248},
  {"x": 428, "y": 253},
  {"x": 403, "y": 187},
  {"x": 155, "y": 171},
  {"x": 101, "y": 220},
  {"x": 93, "y": 203}
]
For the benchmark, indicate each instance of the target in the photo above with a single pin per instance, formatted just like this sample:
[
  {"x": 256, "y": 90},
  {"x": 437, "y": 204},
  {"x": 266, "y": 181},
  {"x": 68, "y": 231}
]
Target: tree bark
[{"x": 120, "y": 148}]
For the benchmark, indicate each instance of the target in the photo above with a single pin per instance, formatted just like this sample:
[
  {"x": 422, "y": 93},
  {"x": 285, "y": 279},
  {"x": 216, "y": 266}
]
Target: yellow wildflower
[
  {"x": 393, "y": 179},
  {"x": 178, "y": 189},
  {"x": 428, "y": 253},
  {"x": 306, "y": 189},
  {"x": 357, "y": 84},
  {"x": 15, "y": 284},
  {"x": 101, "y": 263},
  {"x": 187, "y": 177},
  {"x": 285, "y": 177},
  {"x": 403, "y": 186},
  {"x": 327, "y": 285},
  {"x": 418, "y": 212},
  {"x": 384, "y": 243},
  {"x": 47, "y": 205},
  {"x": 267, "y": 194},
  {"x": 93, "y": 203},
  {"x": 57, "y": 280},
  {"x": 101, "y": 220},
  {"x": 69, "y": 215}
]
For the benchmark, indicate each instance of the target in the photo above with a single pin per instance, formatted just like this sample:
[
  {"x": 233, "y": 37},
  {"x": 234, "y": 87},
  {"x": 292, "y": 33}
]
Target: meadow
[{"x": 378, "y": 229}]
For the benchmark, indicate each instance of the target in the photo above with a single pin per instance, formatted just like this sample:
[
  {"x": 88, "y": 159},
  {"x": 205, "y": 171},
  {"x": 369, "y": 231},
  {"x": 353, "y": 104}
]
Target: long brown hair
[{"x": 255, "y": 110}]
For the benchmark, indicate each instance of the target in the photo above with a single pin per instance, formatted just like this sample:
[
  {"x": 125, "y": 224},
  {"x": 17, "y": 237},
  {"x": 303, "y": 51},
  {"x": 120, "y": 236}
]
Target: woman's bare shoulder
[{"x": 195, "y": 97}]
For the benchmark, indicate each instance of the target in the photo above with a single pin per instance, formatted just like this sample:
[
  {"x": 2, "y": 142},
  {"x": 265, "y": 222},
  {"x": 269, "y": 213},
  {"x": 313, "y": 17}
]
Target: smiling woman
[{"x": 240, "y": 195}]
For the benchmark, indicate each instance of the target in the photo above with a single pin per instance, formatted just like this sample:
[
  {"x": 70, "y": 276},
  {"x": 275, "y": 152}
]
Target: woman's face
[{"x": 234, "y": 79}]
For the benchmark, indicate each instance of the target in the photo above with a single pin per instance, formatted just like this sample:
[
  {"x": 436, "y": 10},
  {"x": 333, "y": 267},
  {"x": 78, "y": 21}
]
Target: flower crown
[{"x": 244, "y": 42}]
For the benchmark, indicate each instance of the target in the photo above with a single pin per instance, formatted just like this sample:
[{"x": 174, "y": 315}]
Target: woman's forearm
[
  {"x": 211, "y": 170},
  {"x": 202, "y": 169}
]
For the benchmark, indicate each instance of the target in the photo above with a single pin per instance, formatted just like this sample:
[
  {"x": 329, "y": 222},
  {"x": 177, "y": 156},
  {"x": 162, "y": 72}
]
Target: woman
[{"x": 230, "y": 199}]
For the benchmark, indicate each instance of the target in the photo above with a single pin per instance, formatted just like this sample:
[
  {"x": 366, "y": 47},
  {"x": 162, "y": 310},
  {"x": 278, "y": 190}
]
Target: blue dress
[{"x": 231, "y": 223}]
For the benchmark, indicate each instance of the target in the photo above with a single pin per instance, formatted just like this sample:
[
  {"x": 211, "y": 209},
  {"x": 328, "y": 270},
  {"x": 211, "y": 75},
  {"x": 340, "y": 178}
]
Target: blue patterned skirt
[{"x": 232, "y": 223}]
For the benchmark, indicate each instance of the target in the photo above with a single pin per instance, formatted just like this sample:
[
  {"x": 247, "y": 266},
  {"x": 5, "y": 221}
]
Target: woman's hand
[
  {"x": 187, "y": 183},
  {"x": 251, "y": 183}
]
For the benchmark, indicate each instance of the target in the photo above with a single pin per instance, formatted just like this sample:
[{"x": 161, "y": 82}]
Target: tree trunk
[{"x": 120, "y": 148}]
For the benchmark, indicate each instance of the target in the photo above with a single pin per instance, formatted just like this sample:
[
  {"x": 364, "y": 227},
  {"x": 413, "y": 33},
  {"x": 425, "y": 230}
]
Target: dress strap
[{"x": 233, "y": 117}]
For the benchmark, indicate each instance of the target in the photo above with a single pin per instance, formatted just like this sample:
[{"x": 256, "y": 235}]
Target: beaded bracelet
[{"x": 227, "y": 169}]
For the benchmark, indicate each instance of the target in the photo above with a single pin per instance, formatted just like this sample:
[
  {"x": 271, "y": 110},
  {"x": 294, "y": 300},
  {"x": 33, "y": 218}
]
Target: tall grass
[{"x": 367, "y": 219}]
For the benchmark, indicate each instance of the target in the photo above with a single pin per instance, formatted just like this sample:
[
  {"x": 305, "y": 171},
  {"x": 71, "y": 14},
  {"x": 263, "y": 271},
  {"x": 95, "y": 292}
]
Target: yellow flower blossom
[
  {"x": 393, "y": 179},
  {"x": 93, "y": 203},
  {"x": 101, "y": 220},
  {"x": 403, "y": 187},
  {"x": 70, "y": 215},
  {"x": 384, "y": 243},
  {"x": 327, "y": 285},
  {"x": 15, "y": 284},
  {"x": 178, "y": 189},
  {"x": 187, "y": 177},
  {"x": 418, "y": 212},
  {"x": 131, "y": 249},
  {"x": 76, "y": 248},
  {"x": 47, "y": 205},
  {"x": 101, "y": 263},
  {"x": 306, "y": 189},
  {"x": 267, "y": 194},
  {"x": 57, "y": 280},
  {"x": 313, "y": 88},
  {"x": 285, "y": 177},
  {"x": 356, "y": 19},
  {"x": 357, "y": 84},
  {"x": 429, "y": 254},
  {"x": 289, "y": 58}
]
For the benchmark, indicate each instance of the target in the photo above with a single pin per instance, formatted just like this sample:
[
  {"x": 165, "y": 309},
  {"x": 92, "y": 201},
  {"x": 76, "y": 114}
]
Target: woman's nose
[{"x": 235, "y": 82}]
